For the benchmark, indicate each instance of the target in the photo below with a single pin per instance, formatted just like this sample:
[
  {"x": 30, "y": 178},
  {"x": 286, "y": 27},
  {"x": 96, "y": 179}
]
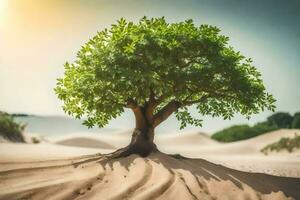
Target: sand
[
  {"x": 242, "y": 155},
  {"x": 50, "y": 171}
]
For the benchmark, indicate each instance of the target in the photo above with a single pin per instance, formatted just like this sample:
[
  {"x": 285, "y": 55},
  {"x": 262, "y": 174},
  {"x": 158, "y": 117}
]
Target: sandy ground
[
  {"x": 242, "y": 155},
  {"x": 52, "y": 171}
]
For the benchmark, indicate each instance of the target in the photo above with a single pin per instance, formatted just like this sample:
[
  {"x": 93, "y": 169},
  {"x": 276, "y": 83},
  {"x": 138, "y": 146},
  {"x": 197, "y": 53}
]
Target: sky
[{"x": 38, "y": 37}]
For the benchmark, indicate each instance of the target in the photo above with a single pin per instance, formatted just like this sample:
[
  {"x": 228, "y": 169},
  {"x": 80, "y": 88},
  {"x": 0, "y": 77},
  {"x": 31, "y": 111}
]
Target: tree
[
  {"x": 156, "y": 69},
  {"x": 280, "y": 120},
  {"x": 296, "y": 120}
]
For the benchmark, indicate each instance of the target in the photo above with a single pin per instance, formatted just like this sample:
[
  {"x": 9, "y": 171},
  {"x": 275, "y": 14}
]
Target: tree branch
[
  {"x": 201, "y": 100},
  {"x": 165, "y": 112},
  {"x": 149, "y": 106},
  {"x": 140, "y": 121},
  {"x": 131, "y": 103},
  {"x": 204, "y": 98},
  {"x": 173, "y": 106}
]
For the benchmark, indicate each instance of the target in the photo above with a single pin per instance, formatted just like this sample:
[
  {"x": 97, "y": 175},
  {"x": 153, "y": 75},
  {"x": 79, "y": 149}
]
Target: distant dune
[
  {"x": 122, "y": 138},
  {"x": 188, "y": 143},
  {"x": 184, "y": 139},
  {"x": 86, "y": 142}
]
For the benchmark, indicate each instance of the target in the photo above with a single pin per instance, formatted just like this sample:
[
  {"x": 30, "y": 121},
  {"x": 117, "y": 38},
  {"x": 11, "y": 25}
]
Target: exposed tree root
[{"x": 133, "y": 149}]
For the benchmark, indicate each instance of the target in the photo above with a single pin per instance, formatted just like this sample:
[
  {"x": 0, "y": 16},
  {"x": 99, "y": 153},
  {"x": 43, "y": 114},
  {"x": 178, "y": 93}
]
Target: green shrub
[
  {"x": 232, "y": 133},
  {"x": 242, "y": 132},
  {"x": 284, "y": 143},
  {"x": 263, "y": 127},
  {"x": 280, "y": 120},
  {"x": 9, "y": 129},
  {"x": 296, "y": 120},
  {"x": 35, "y": 140}
]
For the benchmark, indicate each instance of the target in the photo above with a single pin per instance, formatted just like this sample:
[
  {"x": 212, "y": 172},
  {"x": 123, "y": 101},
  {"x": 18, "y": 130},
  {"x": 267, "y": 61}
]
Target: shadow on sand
[{"x": 260, "y": 182}]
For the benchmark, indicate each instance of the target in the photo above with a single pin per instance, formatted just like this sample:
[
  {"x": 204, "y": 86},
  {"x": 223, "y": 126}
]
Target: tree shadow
[{"x": 260, "y": 182}]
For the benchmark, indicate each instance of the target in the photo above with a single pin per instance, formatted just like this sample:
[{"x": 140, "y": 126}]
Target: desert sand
[
  {"x": 75, "y": 168},
  {"x": 242, "y": 155}
]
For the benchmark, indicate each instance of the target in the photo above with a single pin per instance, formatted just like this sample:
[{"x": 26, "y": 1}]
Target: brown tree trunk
[
  {"x": 142, "y": 137},
  {"x": 142, "y": 142},
  {"x": 145, "y": 122}
]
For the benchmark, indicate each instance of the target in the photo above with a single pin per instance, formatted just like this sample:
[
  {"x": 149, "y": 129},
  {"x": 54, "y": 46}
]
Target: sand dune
[
  {"x": 244, "y": 147},
  {"x": 245, "y": 155},
  {"x": 186, "y": 142},
  {"x": 242, "y": 155},
  {"x": 52, "y": 171},
  {"x": 158, "y": 176},
  {"x": 114, "y": 140},
  {"x": 122, "y": 138},
  {"x": 86, "y": 142},
  {"x": 184, "y": 139}
]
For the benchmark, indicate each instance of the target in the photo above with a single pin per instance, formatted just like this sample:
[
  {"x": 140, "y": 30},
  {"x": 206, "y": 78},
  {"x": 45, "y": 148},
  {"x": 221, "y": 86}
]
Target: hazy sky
[{"x": 38, "y": 36}]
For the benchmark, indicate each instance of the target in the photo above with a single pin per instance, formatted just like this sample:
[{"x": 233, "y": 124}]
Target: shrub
[
  {"x": 284, "y": 143},
  {"x": 35, "y": 140},
  {"x": 263, "y": 127},
  {"x": 232, "y": 133},
  {"x": 296, "y": 120},
  {"x": 242, "y": 132},
  {"x": 280, "y": 120},
  {"x": 9, "y": 129}
]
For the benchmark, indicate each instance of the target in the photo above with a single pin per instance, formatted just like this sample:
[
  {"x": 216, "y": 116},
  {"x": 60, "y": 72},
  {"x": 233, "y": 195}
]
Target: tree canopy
[{"x": 172, "y": 65}]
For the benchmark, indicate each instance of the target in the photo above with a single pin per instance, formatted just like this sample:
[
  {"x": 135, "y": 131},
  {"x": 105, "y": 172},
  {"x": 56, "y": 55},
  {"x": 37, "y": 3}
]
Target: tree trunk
[
  {"x": 142, "y": 141},
  {"x": 142, "y": 137},
  {"x": 141, "y": 144}
]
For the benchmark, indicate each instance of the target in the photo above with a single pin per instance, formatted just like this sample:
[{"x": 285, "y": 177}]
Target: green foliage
[
  {"x": 284, "y": 143},
  {"x": 233, "y": 133},
  {"x": 242, "y": 132},
  {"x": 280, "y": 120},
  {"x": 9, "y": 129},
  {"x": 185, "y": 117},
  {"x": 263, "y": 127},
  {"x": 178, "y": 62},
  {"x": 296, "y": 120}
]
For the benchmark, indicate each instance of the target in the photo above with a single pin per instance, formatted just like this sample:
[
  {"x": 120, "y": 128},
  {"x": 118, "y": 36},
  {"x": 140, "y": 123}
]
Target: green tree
[
  {"x": 155, "y": 68},
  {"x": 296, "y": 120},
  {"x": 280, "y": 120}
]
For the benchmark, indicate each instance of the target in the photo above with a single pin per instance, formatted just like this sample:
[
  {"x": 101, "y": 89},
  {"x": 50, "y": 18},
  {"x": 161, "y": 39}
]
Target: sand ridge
[{"x": 158, "y": 176}]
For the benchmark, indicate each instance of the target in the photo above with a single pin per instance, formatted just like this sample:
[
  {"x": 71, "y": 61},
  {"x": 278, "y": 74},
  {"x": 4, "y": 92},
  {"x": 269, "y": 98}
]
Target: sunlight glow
[
  {"x": 2, "y": 9},
  {"x": 2, "y": 5}
]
